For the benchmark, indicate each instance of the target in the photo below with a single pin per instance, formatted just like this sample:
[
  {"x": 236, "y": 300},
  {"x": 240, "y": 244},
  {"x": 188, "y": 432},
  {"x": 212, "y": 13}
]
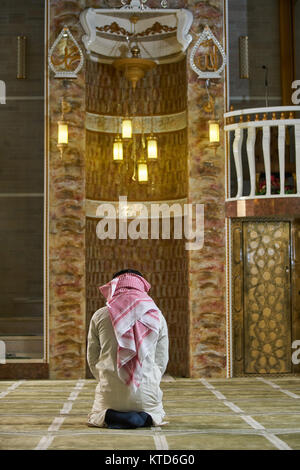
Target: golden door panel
[
  {"x": 267, "y": 314},
  {"x": 265, "y": 295}
]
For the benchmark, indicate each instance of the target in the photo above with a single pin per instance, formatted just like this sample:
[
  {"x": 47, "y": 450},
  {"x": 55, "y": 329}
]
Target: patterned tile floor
[{"x": 244, "y": 413}]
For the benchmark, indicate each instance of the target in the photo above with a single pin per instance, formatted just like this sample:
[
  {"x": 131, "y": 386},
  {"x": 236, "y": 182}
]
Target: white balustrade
[
  {"x": 237, "y": 152},
  {"x": 251, "y": 157},
  {"x": 281, "y": 154},
  {"x": 269, "y": 120}
]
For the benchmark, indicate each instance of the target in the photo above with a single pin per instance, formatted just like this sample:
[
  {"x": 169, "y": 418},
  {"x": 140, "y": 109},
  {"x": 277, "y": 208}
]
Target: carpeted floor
[{"x": 240, "y": 413}]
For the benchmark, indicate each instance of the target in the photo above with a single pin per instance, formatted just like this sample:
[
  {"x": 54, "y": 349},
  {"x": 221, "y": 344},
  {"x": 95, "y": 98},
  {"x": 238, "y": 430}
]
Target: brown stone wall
[
  {"x": 106, "y": 180},
  {"x": 161, "y": 91},
  {"x": 164, "y": 263}
]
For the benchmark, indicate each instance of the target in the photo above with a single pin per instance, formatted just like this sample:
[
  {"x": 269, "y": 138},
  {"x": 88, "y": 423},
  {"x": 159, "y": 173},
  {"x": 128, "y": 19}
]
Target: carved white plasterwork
[
  {"x": 146, "y": 124},
  {"x": 203, "y": 37},
  {"x": 162, "y": 34},
  {"x": 139, "y": 5}
]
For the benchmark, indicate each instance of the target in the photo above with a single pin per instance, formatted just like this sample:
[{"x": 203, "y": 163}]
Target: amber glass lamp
[
  {"x": 127, "y": 128},
  {"x": 152, "y": 147},
  {"x": 63, "y": 128},
  {"x": 142, "y": 171},
  {"x": 214, "y": 133},
  {"x": 118, "y": 149},
  {"x": 63, "y": 133}
]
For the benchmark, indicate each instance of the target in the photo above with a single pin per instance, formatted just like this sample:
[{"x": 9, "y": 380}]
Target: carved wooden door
[{"x": 262, "y": 280}]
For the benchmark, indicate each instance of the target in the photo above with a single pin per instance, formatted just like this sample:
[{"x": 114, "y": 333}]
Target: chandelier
[
  {"x": 131, "y": 142},
  {"x": 144, "y": 149}
]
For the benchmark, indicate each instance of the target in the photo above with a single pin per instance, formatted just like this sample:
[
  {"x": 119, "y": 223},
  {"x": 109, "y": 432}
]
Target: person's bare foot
[{"x": 90, "y": 425}]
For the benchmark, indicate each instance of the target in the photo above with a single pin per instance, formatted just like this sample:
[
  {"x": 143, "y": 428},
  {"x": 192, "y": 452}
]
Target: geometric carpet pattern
[{"x": 215, "y": 414}]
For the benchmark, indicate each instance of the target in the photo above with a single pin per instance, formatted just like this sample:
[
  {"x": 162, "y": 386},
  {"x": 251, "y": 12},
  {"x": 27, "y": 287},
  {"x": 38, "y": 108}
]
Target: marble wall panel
[{"x": 206, "y": 186}]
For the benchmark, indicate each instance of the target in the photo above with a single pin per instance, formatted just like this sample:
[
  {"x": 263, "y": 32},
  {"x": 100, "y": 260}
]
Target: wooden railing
[{"x": 281, "y": 122}]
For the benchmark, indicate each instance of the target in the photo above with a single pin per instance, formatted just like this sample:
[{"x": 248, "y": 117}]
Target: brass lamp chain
[
  {"x": 209, "y": 107},
  {"x": 143, "y": 137},
  {"x": 65, "y": 108},
  {"x": 134, "y": 157}
]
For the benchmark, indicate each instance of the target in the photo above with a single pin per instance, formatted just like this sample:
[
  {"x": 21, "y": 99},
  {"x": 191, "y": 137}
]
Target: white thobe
[{"x": 111, "y": 392}]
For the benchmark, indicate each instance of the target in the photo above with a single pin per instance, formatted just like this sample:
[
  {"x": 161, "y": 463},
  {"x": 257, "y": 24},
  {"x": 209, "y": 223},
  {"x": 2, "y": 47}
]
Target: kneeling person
[{"x": 128, "y": 354}]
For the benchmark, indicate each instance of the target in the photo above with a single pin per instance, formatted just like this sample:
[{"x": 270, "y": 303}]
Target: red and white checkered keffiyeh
[{"x": 135, "y": 318}]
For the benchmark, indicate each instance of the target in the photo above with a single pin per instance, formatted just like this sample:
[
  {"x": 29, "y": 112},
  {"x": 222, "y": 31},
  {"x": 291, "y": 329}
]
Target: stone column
[{"x": 206, "y": 186}]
